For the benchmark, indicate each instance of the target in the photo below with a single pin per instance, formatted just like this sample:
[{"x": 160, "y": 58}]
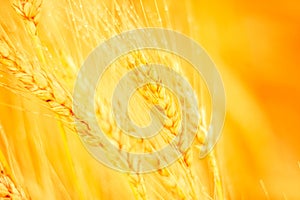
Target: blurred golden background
[
  {"x": 256, "y": 44},
  {"x": 256, "y": 47}
]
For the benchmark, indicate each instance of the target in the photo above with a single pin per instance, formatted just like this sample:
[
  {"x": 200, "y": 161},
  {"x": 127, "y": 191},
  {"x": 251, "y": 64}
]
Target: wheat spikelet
[
  {"x": 217, "y": 178},
  {"x": 35, "y": 80},
  {"x": 8, "y": 188},
  {"x": 29, "y": 10},
  {"x": 137, "y": 183}
]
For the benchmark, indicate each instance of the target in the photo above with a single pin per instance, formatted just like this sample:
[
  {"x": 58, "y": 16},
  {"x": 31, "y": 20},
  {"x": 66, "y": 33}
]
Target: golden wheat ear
[{"x": 8, "y": 187}]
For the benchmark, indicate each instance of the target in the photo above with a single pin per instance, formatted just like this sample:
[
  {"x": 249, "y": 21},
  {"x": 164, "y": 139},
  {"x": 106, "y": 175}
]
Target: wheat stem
[{"x": 217, "y": 178}]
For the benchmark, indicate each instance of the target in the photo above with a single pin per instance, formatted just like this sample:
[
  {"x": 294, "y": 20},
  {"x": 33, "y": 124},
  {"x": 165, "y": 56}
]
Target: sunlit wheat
[{"x": 49, "y": 70}]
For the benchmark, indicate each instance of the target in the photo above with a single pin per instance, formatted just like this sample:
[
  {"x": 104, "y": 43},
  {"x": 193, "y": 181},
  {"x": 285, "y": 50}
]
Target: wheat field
[{"x": 255, "y": 46}]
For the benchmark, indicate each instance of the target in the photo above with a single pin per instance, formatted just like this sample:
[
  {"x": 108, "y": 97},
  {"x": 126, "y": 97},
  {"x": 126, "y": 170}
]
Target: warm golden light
[{"x": 255, "y": 46}]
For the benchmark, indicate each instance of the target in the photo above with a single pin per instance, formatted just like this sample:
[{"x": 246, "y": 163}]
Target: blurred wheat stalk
[{"x": 44, "y": 64}]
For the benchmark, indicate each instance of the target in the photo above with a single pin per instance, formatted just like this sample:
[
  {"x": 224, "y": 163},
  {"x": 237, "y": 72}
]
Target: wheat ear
[
  {"x": 8, "y": 188},
  {"x": 217, "y": 178},
  {"x": 156, "y": 94},
  {"x": 29, "y": 10},
  {"x": 35, "y": 80}
]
